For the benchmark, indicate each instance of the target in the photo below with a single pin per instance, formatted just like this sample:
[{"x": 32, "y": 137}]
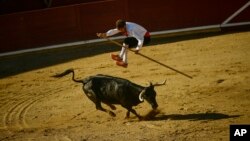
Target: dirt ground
[{"x": 35, "y": 106}]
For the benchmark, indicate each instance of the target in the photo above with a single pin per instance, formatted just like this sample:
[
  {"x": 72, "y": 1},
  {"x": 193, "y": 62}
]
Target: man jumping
[{"x": 136, "y": 36}]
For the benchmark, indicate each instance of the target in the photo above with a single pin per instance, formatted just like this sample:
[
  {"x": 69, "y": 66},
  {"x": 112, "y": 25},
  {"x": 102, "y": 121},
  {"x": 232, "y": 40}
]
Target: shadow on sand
[
  {"x": 192, "y": 117},
  {"x": 15, "y": 64}
]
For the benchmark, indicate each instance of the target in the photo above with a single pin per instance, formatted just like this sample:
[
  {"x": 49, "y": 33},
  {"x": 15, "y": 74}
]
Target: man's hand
[{"x": 101, "y": 35}]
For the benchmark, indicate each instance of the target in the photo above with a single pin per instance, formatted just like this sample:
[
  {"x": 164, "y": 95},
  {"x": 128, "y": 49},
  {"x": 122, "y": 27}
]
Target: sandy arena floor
[{"x": 35, "y": 106}]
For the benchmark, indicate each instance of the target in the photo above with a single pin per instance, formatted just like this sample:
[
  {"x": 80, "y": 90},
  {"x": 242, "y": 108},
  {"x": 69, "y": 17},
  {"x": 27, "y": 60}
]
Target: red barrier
[
  {"x": 81, "y": 21},
  {"x": 13, "y": 6}
]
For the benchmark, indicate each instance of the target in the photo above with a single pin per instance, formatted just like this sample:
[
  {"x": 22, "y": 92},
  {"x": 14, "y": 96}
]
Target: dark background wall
[{"x": 31, "y": 23}]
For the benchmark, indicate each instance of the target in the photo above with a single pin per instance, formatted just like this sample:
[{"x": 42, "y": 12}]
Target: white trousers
[{"x": 124, "y": 53}]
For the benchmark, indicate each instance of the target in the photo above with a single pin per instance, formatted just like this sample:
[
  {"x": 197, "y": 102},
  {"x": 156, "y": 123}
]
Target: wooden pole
[{"x": 151, "y": 59}]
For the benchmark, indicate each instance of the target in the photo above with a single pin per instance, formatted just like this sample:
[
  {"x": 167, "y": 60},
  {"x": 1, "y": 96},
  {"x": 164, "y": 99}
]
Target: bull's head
[{"x": 149, "y": 94}]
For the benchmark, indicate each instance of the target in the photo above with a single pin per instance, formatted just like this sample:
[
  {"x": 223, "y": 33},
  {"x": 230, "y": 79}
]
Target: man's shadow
[{"x": 191, "y": 117}]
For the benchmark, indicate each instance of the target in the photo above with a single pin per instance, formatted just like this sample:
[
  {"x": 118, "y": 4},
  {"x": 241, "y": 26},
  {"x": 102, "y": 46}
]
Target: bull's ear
[{"x": 151, "y": 85}]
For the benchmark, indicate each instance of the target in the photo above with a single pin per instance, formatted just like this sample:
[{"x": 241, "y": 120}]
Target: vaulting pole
[{"x": 151, "y": 59}]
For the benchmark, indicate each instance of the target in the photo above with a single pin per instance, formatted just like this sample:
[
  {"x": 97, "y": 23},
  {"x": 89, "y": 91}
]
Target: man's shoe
[
  {"x": 122, "y": 64},
  {"x": 116, "y": 57}
]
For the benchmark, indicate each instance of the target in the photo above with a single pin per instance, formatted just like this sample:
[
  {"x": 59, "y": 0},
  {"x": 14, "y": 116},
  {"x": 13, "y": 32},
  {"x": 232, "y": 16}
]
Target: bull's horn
[
  {"x": 141, "y": 95},
  {"x": 159, "y": 84}
]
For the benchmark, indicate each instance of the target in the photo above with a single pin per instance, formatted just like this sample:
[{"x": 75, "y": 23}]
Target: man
[{"x": 137, "y": 36}]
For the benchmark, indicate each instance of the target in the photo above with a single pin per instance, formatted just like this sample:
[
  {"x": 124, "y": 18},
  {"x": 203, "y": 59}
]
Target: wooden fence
[{"x": 78, "y": 22}]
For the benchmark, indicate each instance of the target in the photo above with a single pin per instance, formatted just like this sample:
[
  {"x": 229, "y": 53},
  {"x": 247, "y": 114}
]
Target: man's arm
[{"x": 111, "y": 32}]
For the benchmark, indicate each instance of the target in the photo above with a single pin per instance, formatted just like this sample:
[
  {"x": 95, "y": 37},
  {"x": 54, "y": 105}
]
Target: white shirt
[{"x": 133, "y": 30}]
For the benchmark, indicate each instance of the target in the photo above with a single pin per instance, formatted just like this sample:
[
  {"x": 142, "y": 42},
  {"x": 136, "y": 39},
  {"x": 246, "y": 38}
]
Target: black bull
[{"x": 113, "y": 90}]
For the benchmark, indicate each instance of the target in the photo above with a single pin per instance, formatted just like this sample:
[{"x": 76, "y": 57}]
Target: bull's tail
[{"x": 66, "y": 72}]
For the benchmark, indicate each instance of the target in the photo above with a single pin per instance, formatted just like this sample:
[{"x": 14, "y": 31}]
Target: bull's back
[{"x": 111, "y": 89}]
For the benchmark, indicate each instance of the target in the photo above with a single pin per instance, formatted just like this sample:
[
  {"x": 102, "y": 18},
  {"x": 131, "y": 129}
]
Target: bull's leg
[
  {"x": 92, "y": 96},
  {"x": 99, "y": 107},
  {"x": 127, "y": 114},
  {"x": 133, "y": 111},
  {"x": 110, "y": 105}
]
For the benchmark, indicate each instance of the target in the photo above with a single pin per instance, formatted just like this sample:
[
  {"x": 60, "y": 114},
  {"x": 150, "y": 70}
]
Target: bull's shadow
[{"x": 193, "y": 117}]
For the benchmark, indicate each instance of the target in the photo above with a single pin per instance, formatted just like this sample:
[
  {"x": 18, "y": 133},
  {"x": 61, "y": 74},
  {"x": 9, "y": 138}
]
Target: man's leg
[
  {"x": 123, "y": 50},
  {"x": 124, "y": 53}
]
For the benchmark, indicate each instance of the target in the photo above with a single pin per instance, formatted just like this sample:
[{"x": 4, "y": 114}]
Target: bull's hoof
[
  {"x": 151, "y": 114},
  {"x": 140, "y": 118},
  {"x": 127, "y": 117},
  {"x": 112, "y": 114}
]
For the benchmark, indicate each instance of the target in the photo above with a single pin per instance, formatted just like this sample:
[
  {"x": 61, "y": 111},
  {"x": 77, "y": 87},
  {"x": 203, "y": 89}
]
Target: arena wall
[{"x": 64, "y": 23}]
